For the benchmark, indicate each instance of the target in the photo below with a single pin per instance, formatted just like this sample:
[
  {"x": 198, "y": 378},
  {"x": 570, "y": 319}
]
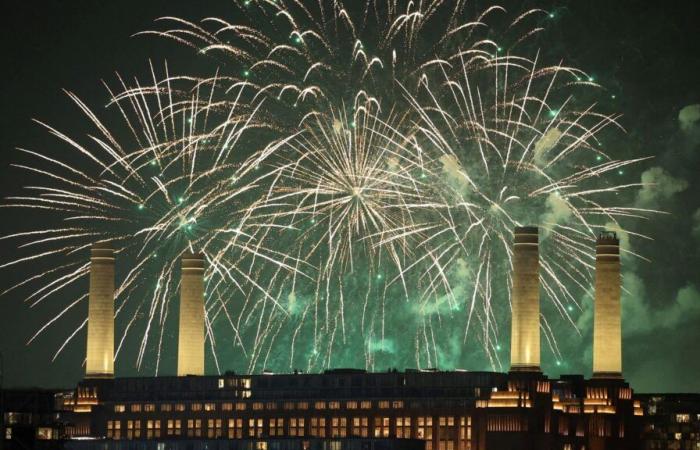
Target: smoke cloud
[{"x": 658, "y": 186}]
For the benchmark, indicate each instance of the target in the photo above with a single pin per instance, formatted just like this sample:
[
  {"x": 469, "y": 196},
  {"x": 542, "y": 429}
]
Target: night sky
[{"x": 645, "y": 54}]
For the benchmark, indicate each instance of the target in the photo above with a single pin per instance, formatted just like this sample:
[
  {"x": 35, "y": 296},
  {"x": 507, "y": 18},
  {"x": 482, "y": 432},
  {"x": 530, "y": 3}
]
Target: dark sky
[{"x": 647, "y": 54}]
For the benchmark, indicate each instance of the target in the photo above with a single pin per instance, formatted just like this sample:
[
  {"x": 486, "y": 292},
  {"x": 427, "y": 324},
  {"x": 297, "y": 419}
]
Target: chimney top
[
  {"x": 526, "y": 236},
  {"x": 192, "y": 261},
  {"x": 608, "y": 238},
  {"x": 526, "y": 230}
]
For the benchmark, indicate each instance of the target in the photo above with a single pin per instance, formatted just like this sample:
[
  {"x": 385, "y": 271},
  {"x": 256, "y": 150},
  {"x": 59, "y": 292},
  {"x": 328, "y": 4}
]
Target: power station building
[{"x": 444, "y": 410}]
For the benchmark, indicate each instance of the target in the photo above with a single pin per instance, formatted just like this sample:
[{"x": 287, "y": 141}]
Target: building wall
[{"x": 448, "y": 410}]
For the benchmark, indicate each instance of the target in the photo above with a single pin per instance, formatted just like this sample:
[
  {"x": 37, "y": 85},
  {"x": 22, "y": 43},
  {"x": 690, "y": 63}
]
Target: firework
[
  {"x": 170, "y": 179},
  {"x": 310, "y": 56},
  {"x": 352, "y": 173},
  {"x": 505, "y": 144}
]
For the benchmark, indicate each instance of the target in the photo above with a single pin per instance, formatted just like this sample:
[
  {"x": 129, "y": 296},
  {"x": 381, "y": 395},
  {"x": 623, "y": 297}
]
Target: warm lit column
[
  {"x": 607, "y": 342},
  {"x": 525, "y": 298},
  {"x": 100, "y": 329},
  {"x": 190, "y": 350}
]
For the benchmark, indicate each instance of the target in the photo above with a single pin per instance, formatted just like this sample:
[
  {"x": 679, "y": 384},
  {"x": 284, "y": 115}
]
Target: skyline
[{"x": 669, "y": 188}]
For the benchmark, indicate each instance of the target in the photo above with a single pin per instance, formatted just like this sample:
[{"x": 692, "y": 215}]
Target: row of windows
[
  {"x": 448, "y": 428},
  {"x": 257, "y": 406},
  {"x": 244, "y": 383}
]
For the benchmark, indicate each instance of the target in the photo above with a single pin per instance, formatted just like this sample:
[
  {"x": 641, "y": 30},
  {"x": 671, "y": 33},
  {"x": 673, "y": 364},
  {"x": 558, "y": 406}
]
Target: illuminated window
[
  {"x": 288, "y": 405},
  {"x": 110, "y": 430},
  {"x": 339, "y": 427},
  {"x": 683, "y": 418},
  {"x": 302, "y": 405},
  {"x": 221, "y": 383},
  {"x": 131, "y": 426},
  {"x": 152, "y": 429},
  {"x": 166, "y": 407},
  {"x": 276, "y": 426},
  {"x": 136, "y": 407},
  {"x": 261, "y": 445},
  {"x": 180, "y": 407},
  {"x": 117, "y": 429},
  {"x": 245, "y": 383},
  {"x": 235, "y": 428},
  {"x": 271, "y": 405},
  {"x": 149, "y": 407},
  {"x": 333, "y": 405},
  {"x": 257, "y": 406},
  {"x": 119, "y": 408},
  {"x": 381, "y": 427},
  {"x": 320, "y": 405},
  {"x": 245, "y": 394},
  {"x": 425, "y": 428},
  {"x": 194, "y": 427},
  {"x": 465, "y": 432},
  {"x": 366, "y": 404},
  {"x": 196, "y": 407},
  {"x": 318, "y": 427},
  {"x": 210, "y": 406},
  {"x": 255, "y": 427},
  {"x": 678, "y": 436},
  {"x": 403, "y": 427},
  {"x": 240, "y": 406},
  {"x": 360, "y": 426},
  {"x": 447, "y": 433},
  {"x": 384, "y": 404},
  {"x": 174, "y": 427},
  {"x": 397, "y": 404},
  {"x": 296, "y": 426},
  {"x": 351, "y": 405},
  {"x": 214, "y": 428},
  {"x": 227, "y": 406}
]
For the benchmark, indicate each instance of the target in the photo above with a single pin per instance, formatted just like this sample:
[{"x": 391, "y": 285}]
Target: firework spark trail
[
  {"x": 510, "y": 162},
  {"x": 308, "y": 55},
  {"x": 346, "y": 185},
  {"x": 177, "y": 184},
  {"x": 349, "y": 162}
]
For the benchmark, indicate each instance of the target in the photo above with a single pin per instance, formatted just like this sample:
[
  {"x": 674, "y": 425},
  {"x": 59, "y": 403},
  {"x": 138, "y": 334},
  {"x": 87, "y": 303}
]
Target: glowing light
[{"x": 309, "y": 214}]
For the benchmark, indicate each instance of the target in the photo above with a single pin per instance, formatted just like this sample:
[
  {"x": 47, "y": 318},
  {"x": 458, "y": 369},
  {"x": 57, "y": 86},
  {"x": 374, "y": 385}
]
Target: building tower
[
  {"x": 100, "y": 333},
  {"x": 607, "y": 342},
  {"x": 190, "y": 350},
  {"x": 525, "y": 298}
]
